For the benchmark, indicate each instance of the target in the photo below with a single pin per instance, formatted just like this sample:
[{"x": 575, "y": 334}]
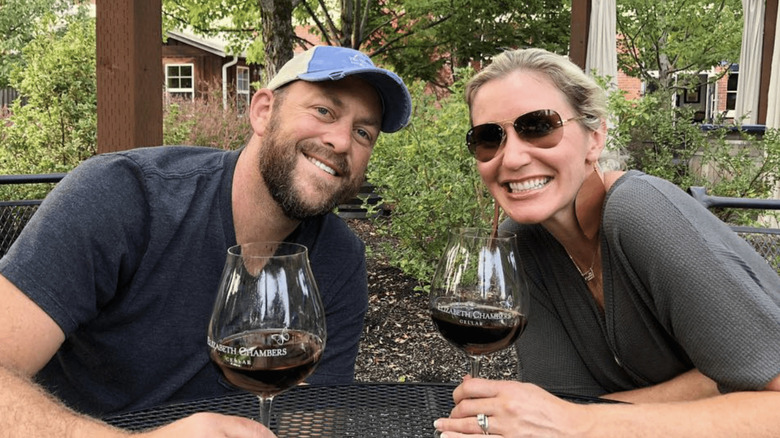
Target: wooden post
[
  {"x": 580, "y": 26},
  {"x": 129, "y": 74},
  {"x": 770, "y": 28}
]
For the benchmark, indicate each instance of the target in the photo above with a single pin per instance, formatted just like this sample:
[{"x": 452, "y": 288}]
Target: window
[
  {"x": 242, "y": 89},
  {"x": 731, "y": 90},
  {"x": 180, "y": 80}
]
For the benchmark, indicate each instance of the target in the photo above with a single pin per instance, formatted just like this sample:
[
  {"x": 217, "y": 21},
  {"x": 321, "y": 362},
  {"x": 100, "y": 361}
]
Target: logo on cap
[{"x": 361, "y": 60}]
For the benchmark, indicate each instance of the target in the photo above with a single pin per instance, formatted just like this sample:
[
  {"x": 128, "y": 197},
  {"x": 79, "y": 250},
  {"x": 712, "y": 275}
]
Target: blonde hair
[{"x": 584, "y": 95}]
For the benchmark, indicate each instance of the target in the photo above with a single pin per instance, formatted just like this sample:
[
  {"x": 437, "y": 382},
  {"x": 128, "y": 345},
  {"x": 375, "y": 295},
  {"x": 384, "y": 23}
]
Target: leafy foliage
[
  {"x": 743, "y": 165},
  {"x": 267, "y": 39},
  {"x": 57, "y": 128},
  {"x": 16, "y": 17},
  {"x": 668, "y": 43},
  {"x": 428, "y": 178},
  {"x": 659, "y": 138},
  {"x": 426, "y": 35},
  {"x": 417, "y": 37}
]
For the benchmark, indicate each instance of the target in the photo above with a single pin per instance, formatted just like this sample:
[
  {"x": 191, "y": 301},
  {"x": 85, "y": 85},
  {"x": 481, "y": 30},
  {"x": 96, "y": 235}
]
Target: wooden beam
[
  {"x": 770, "y": 28},
  {"x": 129, "y": 74},
  {"x": 580, "y": 26}
]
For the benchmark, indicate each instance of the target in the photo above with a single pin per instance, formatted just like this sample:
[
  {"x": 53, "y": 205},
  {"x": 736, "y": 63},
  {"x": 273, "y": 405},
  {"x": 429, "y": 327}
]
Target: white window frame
[
  {"x": 180, "y": 90},
  {"x": 243, "y": 87},
  {"x": 730, "y": 112}
]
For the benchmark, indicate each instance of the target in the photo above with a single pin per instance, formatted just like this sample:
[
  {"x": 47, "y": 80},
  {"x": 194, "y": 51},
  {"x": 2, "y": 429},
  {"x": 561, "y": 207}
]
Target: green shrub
[
  {"x": 57, "y": 127},
  {"x": 746, "y": 167},
  {"x": 429, "y": 180}
]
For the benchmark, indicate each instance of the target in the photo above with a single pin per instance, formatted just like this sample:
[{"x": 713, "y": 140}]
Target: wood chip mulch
[{"x": 400, "y": 342}]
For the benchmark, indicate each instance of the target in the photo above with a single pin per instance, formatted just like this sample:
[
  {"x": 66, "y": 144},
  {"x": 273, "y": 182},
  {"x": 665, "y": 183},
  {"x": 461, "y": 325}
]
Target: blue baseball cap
[{"x": 323, "y": 63}]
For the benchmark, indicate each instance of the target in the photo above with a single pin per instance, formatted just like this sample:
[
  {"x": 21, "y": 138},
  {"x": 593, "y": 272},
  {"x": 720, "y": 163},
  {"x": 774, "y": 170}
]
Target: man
[{"x": 106, "y": 295}]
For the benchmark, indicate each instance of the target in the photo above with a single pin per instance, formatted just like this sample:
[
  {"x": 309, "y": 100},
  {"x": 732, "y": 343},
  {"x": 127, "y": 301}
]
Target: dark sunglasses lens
[
  {"x": 538, "y": 124},
  {"x": 484, "y": 140}
]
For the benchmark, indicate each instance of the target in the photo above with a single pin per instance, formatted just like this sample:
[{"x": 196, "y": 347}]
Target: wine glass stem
[
  {"x": 475, "y": 363},
  {"x": 265, "y": 411}
]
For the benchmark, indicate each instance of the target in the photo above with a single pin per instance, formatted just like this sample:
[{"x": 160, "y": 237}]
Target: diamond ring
[{"x": 483, "y": 422}]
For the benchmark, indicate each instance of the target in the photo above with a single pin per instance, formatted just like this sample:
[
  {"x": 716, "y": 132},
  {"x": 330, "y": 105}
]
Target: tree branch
[
  {"x": 317, "y": 23},
  {"x": 364, "y": 20},
  {"x": 333, "y": 29},
  {"x": 210, "y": 30},
  {"x": 389, "y": 43}
]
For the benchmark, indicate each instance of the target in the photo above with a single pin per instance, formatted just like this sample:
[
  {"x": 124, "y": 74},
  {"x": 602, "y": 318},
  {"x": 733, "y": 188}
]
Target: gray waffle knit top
[{"x": 681, "y": 291}]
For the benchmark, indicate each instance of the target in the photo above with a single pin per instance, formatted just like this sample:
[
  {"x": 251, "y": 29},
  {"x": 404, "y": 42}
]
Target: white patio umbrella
[
  {"x": 601, "y": 60},
  {"x": 750, "y": 62},
  {"x": 773, "y": 98},
  {"x": 601, "y": 56}
]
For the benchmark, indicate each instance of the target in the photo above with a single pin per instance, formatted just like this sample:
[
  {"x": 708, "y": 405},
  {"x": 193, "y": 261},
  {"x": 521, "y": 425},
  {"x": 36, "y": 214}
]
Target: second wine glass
[
  {"x": 267, "y": 329},
  {"x": 479, "y": 300}
]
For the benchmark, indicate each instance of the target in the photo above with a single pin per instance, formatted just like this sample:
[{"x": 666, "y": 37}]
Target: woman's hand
[
  {"x": 513, "y": 409},
  {"x": 210, "y": 425}
]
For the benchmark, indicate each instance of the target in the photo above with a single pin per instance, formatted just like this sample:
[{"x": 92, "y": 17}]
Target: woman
[{"x": 638, "y": 293}]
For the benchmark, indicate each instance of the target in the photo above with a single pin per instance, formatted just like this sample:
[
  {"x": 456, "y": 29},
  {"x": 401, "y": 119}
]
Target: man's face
[{"x": 317, "y": 144}]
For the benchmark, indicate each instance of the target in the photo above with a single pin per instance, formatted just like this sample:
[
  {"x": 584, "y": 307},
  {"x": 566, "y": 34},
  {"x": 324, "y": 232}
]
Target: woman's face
[{"x": 534, "y": 184}]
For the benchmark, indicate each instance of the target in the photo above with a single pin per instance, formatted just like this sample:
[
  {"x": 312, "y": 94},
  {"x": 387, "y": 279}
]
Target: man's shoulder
[{"x": 175, "y": 159}]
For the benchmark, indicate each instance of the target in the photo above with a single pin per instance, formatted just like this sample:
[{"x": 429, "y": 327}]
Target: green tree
[
  {"x": 425, "y": 38},
  {"x": 669, "y": 43},
  {"x": 417, "y": 37},
  {"x": 16, "y": 31},
  {"x": 56, "y": 129},
  {"x": 263, "y": 27}
]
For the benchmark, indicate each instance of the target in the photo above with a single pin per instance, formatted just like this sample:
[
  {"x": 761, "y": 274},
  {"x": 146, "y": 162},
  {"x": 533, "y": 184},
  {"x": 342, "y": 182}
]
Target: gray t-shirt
[
  {"x": 126, "y": 254},
  {"x": 681, "y": 291}
]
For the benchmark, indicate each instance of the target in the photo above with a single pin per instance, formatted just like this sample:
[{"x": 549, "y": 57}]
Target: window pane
[
  {"x": 731, "y": 101},
  {"x": 242, "y": 80},
  {"x": 732, "y": 83}
]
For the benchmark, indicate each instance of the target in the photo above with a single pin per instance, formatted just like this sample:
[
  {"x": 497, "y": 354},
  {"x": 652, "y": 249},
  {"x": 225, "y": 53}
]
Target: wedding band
[{"x": 483, "y": 422}]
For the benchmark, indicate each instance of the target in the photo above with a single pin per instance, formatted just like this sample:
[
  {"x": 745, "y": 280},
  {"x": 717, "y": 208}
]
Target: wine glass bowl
[
  {"x": 267, "y": 330},
  {"x": 479, "y": 300}
]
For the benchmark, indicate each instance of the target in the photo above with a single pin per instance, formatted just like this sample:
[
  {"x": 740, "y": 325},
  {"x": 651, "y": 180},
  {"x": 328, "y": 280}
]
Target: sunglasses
[{"x": 540, "y": 128}]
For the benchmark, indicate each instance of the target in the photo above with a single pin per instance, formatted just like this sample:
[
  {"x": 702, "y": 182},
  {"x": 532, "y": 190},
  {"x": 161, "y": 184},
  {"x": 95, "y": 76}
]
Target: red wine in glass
[
  {"x": 268, "y": 362},
  {"x": 478, "y": 329},
  {"x": 479, "y": 300},
  {"x": 267, "y": 330}
]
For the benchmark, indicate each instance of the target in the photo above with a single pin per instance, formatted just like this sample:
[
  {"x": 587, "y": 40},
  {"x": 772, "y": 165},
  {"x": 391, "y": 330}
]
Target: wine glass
[
  {"x": 267, "y": 329},
  {"x": 479, "y": 301}
]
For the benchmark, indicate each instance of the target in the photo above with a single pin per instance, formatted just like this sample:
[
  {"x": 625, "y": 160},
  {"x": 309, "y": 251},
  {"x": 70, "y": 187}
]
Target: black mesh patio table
[{"x": 358, "y": 410}]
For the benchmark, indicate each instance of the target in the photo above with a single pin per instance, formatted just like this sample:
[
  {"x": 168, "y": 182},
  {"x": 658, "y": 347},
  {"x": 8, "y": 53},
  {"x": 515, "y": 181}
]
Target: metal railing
[
  {"x": 765, "y": 240},
  {"x": 14, "y": 215}
]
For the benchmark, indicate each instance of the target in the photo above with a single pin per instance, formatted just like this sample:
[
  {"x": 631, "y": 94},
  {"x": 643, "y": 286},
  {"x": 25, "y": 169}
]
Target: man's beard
[{"x": 277, "y": 166}]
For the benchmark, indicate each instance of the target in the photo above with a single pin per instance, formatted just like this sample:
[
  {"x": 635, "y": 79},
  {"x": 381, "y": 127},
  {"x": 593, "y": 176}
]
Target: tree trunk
[
  {"x": 347, "y": 23},
  {"x": 278, "y": 34}
]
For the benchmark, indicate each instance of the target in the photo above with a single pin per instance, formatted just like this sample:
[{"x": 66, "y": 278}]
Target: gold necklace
[{"x": 587, "y": 275}]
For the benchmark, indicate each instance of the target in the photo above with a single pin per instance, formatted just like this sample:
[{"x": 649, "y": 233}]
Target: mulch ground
[{"x": 400, "y": 342}]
